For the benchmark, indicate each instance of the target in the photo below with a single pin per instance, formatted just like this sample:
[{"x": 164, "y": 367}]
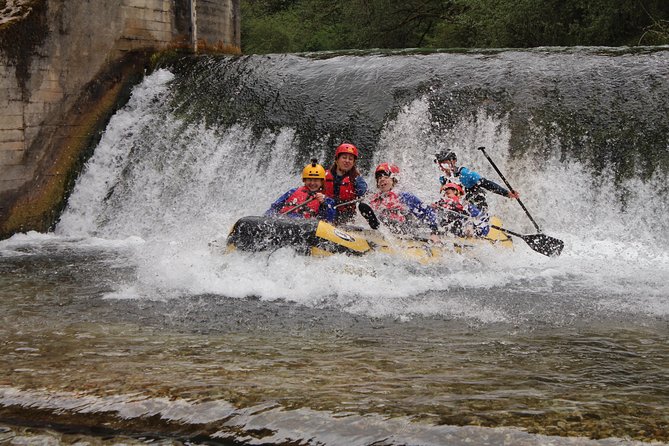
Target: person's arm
[
  {"x": 327, "y": 210},
  {"x": 494, "y": 187},
  {"x": 472, "y": 210},
  {"x": 471, "y": 179},
  {"x": 421, "y": 211},
  {"x": 279, "y": 203},
  {"x": 360, "y": 186},
  {"x": 480, "y": 223}
]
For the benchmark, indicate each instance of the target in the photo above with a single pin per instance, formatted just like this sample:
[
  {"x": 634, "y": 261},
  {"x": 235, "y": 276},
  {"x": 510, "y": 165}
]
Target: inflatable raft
[{"x": 319, "y": 238}]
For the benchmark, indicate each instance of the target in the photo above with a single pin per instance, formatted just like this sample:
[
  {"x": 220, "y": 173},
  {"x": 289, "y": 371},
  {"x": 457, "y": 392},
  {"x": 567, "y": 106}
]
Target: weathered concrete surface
[{"x": 65, "y": 66}]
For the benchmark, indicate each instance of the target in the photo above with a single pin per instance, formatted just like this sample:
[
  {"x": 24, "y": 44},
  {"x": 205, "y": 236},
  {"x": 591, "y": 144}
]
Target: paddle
[
  {"x": 482, "y": 149},
  {"x": 299, "y": 206},
  {"x": 368, "y": 214},
  {"x": 348, "y": 202},
  {"x": 541, "y": 243}
]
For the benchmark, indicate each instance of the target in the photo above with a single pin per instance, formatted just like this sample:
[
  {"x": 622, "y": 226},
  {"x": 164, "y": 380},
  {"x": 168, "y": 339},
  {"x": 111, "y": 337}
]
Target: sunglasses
[{"x": 382, "y": 174}]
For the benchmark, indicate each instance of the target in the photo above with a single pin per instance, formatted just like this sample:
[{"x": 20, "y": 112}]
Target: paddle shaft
[
  {"x": 348, "y": 202},
  {"x": 299, "y": 206},
  {"x": 456, "y": 213},
  {"x": 501, "y": 175},
  {"x": 507, "y": 231}
]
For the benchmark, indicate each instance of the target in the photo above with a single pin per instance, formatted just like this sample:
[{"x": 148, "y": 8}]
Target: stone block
[
  {"x": 156, "y": 15},
  {"x": 10, "y": 108},
  {"x": 12, "y": 145},
  {"x": 134, "y": 22},
  {"x": 9, "y": 91},
  {"x": 51, "y": 82},
  {"x": 10, "y": 157},
  {"x": 7, "y": 184},
  {"x": 44, "y": 95},
  {"x": 9, "y": 122},
  {"x": 19, "y": 172},
  {"x": 8, "y": 135},
  {"x": 140, "y": 4},
  {"x": 154, "y": 26}
]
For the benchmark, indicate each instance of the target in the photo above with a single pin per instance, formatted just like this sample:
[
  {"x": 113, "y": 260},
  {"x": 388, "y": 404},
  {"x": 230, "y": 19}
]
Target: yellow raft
[{"x": 319, "y": 238}]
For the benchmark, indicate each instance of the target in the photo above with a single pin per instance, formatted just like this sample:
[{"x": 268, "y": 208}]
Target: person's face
[
  {"x": 384, "y": 183},
  {"x": 448, "y": 166},
  {"x": 345, "y": 162},
  {"x": 451, "y": 193},
  {"x": 313, "y": 184}
]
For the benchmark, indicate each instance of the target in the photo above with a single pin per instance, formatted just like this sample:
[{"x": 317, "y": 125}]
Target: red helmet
[
  {"x": 346, "y": 148},
  {"x": 455, "y": 186},
  {"x": 386, "y": 169}
]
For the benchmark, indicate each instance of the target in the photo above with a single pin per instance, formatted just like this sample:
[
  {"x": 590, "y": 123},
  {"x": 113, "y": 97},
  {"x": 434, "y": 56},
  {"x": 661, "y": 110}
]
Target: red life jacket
[
  {"x": 346, "y": 192},
  {"x": 451, "y": 204},
  {"x": 390, "y": 206},
  {"x": 298, "y": 197}
]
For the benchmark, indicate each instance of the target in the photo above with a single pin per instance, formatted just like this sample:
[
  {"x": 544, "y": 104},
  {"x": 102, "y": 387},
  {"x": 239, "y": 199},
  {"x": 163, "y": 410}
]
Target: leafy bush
[{"x": 313, "y": 25}]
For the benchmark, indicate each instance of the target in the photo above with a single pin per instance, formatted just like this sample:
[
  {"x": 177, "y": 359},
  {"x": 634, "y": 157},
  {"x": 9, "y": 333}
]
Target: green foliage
[
  {"x": 311, "y": 25},
  {"x": 314, "y": 25}
]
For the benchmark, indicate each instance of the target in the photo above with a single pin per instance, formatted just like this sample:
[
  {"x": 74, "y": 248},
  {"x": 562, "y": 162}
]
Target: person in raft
[
  {"x": 401, "y": 212},
  {"x": 457, "y": 217},
  {"x": 474, "y": 184},
  {"x": 307, "y": 201},
  {"x": 344, "y": 183}
]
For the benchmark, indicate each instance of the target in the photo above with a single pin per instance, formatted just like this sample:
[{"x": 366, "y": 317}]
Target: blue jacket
[
  {"x": 471, "y": 180},
  {"x": 326, "y": 210},
  {"x": 422, "y": 212}
]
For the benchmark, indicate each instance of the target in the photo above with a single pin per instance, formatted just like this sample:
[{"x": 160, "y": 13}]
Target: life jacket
[
  {"x": 346, "y": 192},
  {"x": 389, "y": 206},
  {"x": 469, "y": 180},
  {"x": 298, "y": 197},
  {"x": 451, "y": 204},
  {"x": 451, "y": 213}
]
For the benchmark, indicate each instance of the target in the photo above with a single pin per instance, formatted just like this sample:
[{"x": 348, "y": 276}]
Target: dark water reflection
[{"x": 210, "y": 368}]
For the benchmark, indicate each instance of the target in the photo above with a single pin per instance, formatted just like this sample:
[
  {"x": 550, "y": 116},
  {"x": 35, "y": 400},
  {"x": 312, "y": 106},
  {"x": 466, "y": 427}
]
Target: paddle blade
[
  {"x": 368, "y": 214},
  {"x": 544, "y": 244}
]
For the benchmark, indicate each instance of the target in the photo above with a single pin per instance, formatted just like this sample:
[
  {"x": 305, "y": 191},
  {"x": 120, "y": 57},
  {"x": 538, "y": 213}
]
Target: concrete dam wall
[{"x": 65, "y": 67}]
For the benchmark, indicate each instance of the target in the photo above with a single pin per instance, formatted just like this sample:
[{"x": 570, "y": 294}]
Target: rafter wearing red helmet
[
  {"x": 454, "y": 215},
  {"x": 344, "y": 183},
  {"x": 401, "y": 212}
]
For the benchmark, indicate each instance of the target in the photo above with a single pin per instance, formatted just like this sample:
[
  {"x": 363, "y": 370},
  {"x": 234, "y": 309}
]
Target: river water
[{"x": 126, "y": 324}]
